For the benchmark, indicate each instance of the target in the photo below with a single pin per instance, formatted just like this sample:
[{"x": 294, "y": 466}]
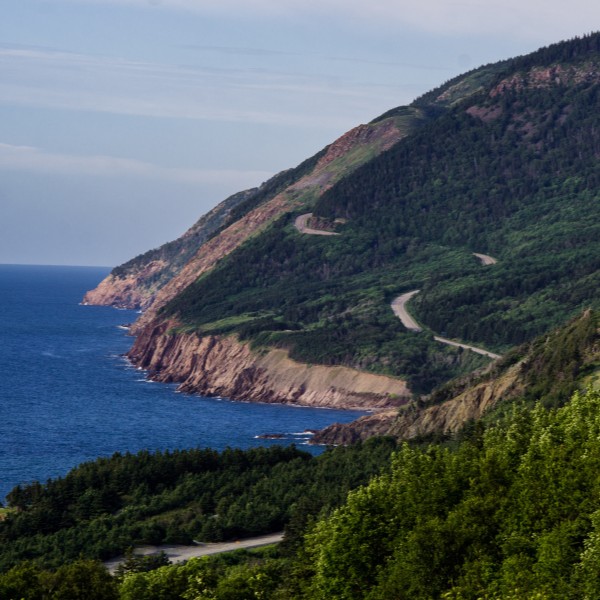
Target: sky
[{"x": 123, "y": 121}]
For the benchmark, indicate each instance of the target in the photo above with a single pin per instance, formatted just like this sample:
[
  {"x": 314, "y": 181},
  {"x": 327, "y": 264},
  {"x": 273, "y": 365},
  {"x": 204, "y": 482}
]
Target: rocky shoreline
[{"x": 223, "y": 366}]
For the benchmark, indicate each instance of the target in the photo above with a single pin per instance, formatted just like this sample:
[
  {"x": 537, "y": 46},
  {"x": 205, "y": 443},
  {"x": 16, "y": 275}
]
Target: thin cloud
[
  {"x": 29, "y": 158},
  {"x": 55, "y": 79},
  {"x": 536, "y": 20},
  {"x": 246, "y": 51}
]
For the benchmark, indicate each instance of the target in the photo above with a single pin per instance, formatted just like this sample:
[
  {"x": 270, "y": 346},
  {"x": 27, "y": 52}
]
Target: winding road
[
  {"x": 485, "y": 259},
  {"x": 400, "y": 310},
  {"x": 467, "y": 346},
  {"x": 399, "y": 304}
]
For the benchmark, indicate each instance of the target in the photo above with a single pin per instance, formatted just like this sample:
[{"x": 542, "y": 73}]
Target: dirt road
[
  {"x": 179, "y": 554},
  {"x": 399, "y": 304},
  {"x": 301, "y": 225}
]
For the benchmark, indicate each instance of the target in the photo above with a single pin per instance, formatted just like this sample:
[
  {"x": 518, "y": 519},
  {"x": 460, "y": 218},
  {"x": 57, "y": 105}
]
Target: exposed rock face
[
  {"x": 223, "y": 366},
  {"x": 549, "y": 367},
  {"x": 356, "y": 431},
  {"x": 212, "y": 251},
  {"x": 135, "y": 283},
  {"x": 382, "y": 135},
  {"x": 545, "y": 77},
  {"x": 412, "y": 421},
  {"x": 130, "y": 291},
  {"x": 151, "y": 280}
]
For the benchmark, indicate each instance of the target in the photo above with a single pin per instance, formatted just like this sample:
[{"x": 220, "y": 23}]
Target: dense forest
[
  {"x": 509, "y": 511},
  {"x": 508, "y": 168},
  {"x": 101, "y": 508}
]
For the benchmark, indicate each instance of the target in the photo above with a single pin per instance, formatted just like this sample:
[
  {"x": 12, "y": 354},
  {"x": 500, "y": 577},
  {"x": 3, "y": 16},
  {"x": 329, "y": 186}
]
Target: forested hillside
[
  {"x": 502, "y": 161},
  {"x": 512, "y": 513},
  {"x": 548, "y": 370},
  {"x": 103, "y": 507},
  {"x": 504, "y": 164},
  {"x": 504, "y": 512}
]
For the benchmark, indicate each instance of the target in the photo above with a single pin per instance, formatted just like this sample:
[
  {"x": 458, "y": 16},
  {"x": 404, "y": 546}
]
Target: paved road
[
  {"x": 399, "y": 308},
  {"x": 301, "y": 225},
  {"x": 179, "y": 554},
  {"x": 399, "y": 303},
  {"x": 485, "y": 259},
  {"x": 467, "y": 346}
]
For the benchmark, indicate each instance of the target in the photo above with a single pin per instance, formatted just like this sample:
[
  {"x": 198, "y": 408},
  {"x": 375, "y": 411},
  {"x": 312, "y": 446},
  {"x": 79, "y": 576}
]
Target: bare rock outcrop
[
  {"x": 223, "y": 366},
  {"x": 545, "y": 77},
  {"x": 378, "y": 137},
  {"x": 130, "y": 291},
  {"x": 153, "y": 283}
]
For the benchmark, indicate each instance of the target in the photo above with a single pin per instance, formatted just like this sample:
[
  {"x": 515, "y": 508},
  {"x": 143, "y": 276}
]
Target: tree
[{"x": 82, "y": 580}]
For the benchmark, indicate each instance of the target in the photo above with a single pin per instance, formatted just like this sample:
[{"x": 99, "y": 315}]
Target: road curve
[
  {"x": 300, "y": 224},
  {"x": 485, "y": 259},
  {"x": 399, "y": 308},
  {"x": 179, "y": 554}
]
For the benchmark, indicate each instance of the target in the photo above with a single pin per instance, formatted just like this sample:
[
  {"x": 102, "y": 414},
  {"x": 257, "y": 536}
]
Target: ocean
[{"x": 67, "y": 394}]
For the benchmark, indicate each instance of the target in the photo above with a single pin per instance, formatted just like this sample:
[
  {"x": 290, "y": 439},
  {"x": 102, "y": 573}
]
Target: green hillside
[
  {"x": 505, "y": 509},
  {"x": 502, "y": 161},
  {"x": 512, "y": 514},
  {"x": 101, "y": 508},
  {"x": 509, "y": 170}
]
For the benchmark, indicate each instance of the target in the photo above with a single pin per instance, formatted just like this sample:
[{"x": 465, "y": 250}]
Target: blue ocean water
[{"x": 67, "y": 395}]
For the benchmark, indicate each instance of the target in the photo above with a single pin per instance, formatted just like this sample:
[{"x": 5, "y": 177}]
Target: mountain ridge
[
  {"x": 134, "y": 284},
  {"x": 502, "y": 160}
]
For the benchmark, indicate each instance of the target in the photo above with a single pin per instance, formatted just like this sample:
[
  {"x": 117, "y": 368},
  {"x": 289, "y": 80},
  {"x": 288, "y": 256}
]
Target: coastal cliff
[
  {"x": 411, "y": 207},
  {"x": 338, "y": 159},
  {"x": 223, "y": 366},
  {"x": 135, "y": 283},
  {"x": 127, "y": 291}
]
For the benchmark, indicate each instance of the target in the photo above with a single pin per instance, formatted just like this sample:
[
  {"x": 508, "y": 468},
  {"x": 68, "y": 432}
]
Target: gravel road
[
  {"x": 399, "y": 308},
  {"x": 399, "y": 303},
  {"x": 467, "y": 346}
]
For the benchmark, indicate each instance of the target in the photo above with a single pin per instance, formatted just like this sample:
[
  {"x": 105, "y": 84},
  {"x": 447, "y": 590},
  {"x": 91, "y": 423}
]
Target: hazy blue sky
[{"x": 122, "y": 121}]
